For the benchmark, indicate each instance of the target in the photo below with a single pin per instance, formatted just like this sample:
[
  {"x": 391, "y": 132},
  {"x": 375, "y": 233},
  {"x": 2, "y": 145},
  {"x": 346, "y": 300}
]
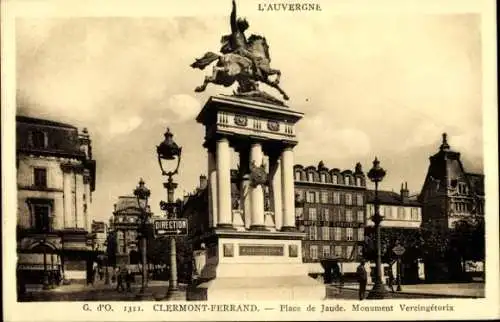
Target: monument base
[
  {"x": 284, "y": 288},
  {"x": 254, "y": 266}
]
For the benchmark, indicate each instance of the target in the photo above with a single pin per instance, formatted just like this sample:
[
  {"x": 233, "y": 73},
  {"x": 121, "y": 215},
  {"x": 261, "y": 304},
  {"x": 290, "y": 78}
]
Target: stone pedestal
[
  {"x": 254, "y": 266},
  {"x": 253, "y": 253}
]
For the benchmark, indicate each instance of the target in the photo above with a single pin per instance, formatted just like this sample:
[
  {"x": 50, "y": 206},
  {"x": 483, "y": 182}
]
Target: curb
[{"x": 420, "y": 294}]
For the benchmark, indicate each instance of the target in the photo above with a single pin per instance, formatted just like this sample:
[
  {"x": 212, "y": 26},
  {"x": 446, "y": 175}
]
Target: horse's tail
[{"x": 204, "y": 61}]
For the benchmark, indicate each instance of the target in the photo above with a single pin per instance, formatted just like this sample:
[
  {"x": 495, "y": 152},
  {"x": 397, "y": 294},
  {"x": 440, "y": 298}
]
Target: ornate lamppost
[
  {"x": 376, "y": 175},
  {"x": 142, "y": 194},
  {"x": 167, "y": 151}
]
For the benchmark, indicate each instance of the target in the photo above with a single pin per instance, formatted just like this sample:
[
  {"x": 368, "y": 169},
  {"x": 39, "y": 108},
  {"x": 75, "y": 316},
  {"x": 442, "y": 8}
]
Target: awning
[{"x": 35, "y": 261}]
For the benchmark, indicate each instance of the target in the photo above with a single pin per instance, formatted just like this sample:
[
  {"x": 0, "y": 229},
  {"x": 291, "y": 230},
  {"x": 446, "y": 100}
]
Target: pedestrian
[
  {"x": 94, "y": 273},
  {"x": 390, "y": 278},
  {"x": 128, "y": 278},
  {"x": 362, "y": 279},
  {"x": 119, "y": 279}
]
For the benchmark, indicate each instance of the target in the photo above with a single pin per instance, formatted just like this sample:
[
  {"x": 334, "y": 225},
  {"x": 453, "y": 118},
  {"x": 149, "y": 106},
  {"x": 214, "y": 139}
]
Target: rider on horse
[{"x": 237, "y": 41}]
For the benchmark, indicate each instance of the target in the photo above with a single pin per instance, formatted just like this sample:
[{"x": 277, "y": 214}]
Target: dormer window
[
  {"x": 297, "y": 175},
  {"x": 347, "y": 180},
  {"x": 462, "y": 188},
  {"x": 358, "y": 182},
  {"x": 310, "y": 177},
  {"x": 38, "y": 139},
  {"x": 323, "y": 177},
  {"x": 334, "y": 179}
]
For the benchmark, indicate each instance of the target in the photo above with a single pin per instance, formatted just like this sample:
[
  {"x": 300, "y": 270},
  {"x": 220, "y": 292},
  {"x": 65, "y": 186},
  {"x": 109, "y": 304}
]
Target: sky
[{"x": 369, "y": 85}]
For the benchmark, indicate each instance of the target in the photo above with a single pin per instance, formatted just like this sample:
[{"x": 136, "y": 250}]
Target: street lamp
[
  {"x": 376, "y": 175},
  {"x": 143, "y": 193},
  {"x": 167, "y": 151}
]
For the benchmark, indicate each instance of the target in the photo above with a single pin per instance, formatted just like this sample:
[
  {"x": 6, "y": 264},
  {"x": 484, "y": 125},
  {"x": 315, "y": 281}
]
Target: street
[{"x": 157, "y": 290}]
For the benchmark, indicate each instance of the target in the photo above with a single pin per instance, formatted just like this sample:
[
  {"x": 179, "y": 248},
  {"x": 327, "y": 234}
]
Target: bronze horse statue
[{"x": 231, "y": 67}]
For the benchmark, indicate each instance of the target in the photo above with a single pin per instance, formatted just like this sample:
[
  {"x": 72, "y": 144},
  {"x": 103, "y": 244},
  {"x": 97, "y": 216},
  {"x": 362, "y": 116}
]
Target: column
[
  {"x": 275, "y": 180},
  {"x": 67, "y": 220},
  {"x": 86, "y": 201},
  {"x": 287, "y": 190},
  {"x": 245, "y": 185},
  {"x": 256, "y": 191},
  {"x": 223, "y": 160},
  {"x": 212, "y": 190},
  {"x": 80, "y": 222}
]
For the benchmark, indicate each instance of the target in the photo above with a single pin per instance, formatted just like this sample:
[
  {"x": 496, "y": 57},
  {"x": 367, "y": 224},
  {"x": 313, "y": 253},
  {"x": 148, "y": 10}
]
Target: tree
[
  {"x": 111, "y": 248},
  {"x": 390, "y": 237}
]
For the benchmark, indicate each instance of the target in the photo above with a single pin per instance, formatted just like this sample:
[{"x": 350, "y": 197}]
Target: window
[
  {"x": 348, "y": 215},
  {"x": 414, "y": 213},
  {"x": 361, "y": 216},
  {"x": 313, "y": 251},
  {"x": 312, "y": 214},
  {"x": 339, "y": 215},
  {"x": 359, "y": 199},
  {"x": 348, "y": 199},
  {"x": 347, "y": 180},
  {"x": 323, "y": 177},
  {"x": 40, "y": 175},
  {"x": 299, "y": 213},
  {"x": 326, "y": 214},
  {"x": 313, "y": 233},
  {"x": 401, "y": 213},
  {"x": 388, "y": 212},
  {"x": 310, "y": 196},
  {"x": 324, "y": 197},
  {"x": 349, "y": 234},
  {"x": 310, "y": 176},
  {"x": 344, "y": 251},
  {"x": 38, "y": 139},
  {"x": 325, "y": 233},
  {"x": 349, "y": 254},
  {"x": 361, "y": 234},
  {"x": 338, "y": 251},
  {"x": 336, "y": 198},
  {"x": 326, "y": 251},
  {"x": 41, "y": 214},
  {"x": 462, "y": 188},
  {"x": 334, "y": 179},
  {"x": 297, "y": 175},
  {"x": 337, "y": 233},
  {"x": 358, "y": 182}
]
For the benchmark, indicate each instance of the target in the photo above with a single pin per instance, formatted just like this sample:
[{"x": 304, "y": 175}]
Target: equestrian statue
[{"x": 245, "y": 61}]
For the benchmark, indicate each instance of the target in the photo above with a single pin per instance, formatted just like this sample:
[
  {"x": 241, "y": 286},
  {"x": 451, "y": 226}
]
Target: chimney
[
  {"x": 203, "y": 182},
  {"x": 405, "y": 194}
]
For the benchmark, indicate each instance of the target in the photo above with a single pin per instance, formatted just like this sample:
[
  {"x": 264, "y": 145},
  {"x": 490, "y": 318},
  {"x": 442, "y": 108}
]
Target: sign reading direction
[
  {"x": 170, "y": 227},
  {"x": 398, "y": 250}
]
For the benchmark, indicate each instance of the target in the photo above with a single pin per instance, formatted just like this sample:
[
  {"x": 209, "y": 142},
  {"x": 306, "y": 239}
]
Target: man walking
[
  {"x": 362, "y": 279},
  {"x": 119, "y": 279}
]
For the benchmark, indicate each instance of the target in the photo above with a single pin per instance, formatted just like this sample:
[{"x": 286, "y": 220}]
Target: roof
[
  {"x": 390, "y": 198},
  {"x": 126, "y": 202},
  {"x": 33, "y": 120}
]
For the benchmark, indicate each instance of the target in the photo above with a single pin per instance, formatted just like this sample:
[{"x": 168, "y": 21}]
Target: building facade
[
  {"x": 452, "y": 215},
  {"x": 401, "y": 226},
  {"x": 55, "y": 181},
  {"x": 125, "y": 223},
  {"x": 330, "y": 209},
  {"x": 99, "y": 236}
]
